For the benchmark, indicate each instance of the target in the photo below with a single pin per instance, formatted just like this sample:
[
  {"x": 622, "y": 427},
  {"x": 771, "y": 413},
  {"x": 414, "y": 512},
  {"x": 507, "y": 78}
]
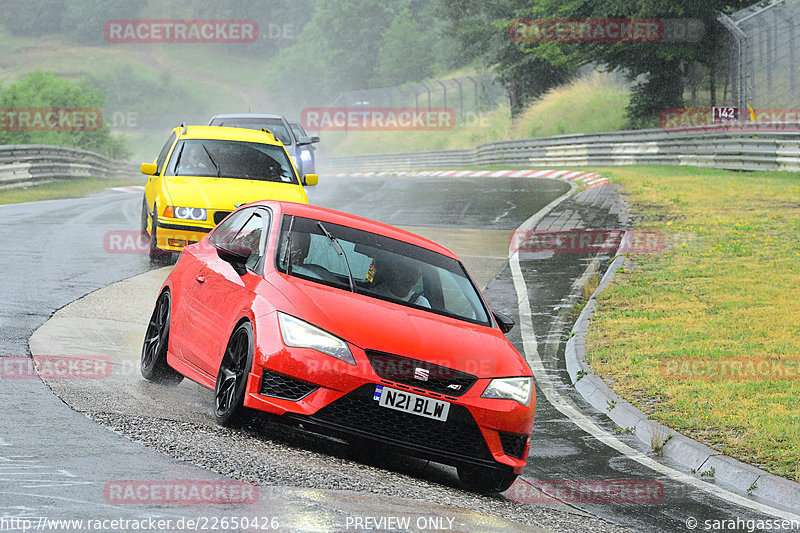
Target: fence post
[
  {"x": 444, "y": 92},
  {"x": 460, "y": 99},
  {"x": 470, "y": 78},
  {"x": 429, "y": 94},
  {"x": 740, "y": 37}
]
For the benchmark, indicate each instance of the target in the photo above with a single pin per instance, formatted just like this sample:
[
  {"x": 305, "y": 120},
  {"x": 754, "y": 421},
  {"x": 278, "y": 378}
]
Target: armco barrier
[
  {"x": 30, "y": 164},
  {"x": 774, "y": 146},
  {"x": 759, "y": 147}
]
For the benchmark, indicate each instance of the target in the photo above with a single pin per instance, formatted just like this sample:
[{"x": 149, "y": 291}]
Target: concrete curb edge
[{"x": 692, "y": 455}]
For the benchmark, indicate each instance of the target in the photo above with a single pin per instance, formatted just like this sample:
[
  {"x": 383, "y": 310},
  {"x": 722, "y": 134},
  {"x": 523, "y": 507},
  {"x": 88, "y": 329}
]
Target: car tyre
[
  {"x": 232, "y": 377},
  {"x": 145, "y": 212},
  {"x": 154, "y": 365},
  {"x": 486, "y": 480},
  {"x": 156, "y": 253}
]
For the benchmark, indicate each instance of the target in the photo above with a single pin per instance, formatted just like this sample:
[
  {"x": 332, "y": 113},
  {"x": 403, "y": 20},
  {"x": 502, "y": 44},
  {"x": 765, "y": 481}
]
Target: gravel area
[{"x": 274, "y": 455}]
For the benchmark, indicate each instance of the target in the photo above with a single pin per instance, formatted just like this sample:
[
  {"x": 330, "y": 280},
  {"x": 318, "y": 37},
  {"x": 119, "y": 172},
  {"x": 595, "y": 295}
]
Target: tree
[
  {"x": 83, "y": 22},
  {"x": 347, "y": 35},
  {"x": 481, "y": 28},
  {"x": 405, "y": 54},
  {"x": 20, "y": 19},
  {"x": 44, "y": 91},
  {"x": 660, "y": 66}
]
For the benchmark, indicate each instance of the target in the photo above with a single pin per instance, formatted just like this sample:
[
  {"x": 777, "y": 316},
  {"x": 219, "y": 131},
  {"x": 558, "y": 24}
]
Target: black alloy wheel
[
  {"x": 154, "y": 365},
  {"x": 232, "y": 377}
]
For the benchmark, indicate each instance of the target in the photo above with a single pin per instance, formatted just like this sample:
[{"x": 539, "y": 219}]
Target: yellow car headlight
[{"x": 186, "y": 213}]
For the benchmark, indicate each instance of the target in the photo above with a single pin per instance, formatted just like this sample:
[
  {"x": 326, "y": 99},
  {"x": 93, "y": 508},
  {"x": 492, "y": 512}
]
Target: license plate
[{"x": 411, "y": 403}]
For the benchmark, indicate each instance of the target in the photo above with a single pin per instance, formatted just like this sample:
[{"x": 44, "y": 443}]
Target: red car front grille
[
  {"x": 420, "y": 374},
  {"x": 357, "y": 413}
]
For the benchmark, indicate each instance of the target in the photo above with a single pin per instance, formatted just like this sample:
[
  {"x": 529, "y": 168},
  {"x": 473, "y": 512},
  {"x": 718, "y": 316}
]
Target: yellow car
[{"x": 205, "y": 172}]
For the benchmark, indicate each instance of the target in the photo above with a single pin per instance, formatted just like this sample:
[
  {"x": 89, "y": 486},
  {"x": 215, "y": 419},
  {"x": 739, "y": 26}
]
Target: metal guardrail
[
  {"x": 773, "y": 146},
  {"x": 31, "y": 164}
]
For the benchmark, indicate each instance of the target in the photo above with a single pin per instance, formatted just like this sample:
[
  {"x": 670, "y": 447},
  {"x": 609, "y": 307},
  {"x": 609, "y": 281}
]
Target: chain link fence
[
  {"x": 468, "y": 94},
  {"x": 761, "y": 67}
]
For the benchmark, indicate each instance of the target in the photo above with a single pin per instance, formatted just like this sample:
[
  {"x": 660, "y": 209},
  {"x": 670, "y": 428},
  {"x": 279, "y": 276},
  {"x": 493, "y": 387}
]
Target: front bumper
[
  {"x": 174, "y": 235},
  {"x": 311, "y": 388}
]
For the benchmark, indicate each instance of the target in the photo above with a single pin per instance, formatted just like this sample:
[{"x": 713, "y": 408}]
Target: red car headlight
[
  {"x": 301, "y": 334},
  {"x": 517, "y": 389}
]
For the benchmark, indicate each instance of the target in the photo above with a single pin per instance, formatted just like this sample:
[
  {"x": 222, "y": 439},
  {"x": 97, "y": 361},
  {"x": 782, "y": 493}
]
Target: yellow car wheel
[
  {"x": 155, "y": 251},
  {"x": 143, "y": 224}
]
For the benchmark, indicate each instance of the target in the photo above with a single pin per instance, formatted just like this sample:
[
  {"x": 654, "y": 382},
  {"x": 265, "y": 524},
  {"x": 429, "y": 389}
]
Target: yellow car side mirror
[
  {"x": 311, "y": 179},
  {"x": 148, "y": 168}
]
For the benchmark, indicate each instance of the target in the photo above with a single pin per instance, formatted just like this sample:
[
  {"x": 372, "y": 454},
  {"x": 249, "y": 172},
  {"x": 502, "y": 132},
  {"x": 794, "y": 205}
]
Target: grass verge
[
  {"x": 73, "y": 188},
  {"x": 587, "y": 105},
  {"x": 569, "y": 109},
  {"x": 722, "y": 292}
]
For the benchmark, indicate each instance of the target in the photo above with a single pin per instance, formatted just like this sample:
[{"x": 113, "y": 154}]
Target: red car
[{"x": 351, "y": 326}]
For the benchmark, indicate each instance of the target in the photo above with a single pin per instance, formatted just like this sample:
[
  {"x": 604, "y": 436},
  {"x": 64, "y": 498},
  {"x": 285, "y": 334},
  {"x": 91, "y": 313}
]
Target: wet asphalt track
[
  {"x": 53, "y": 253},
  {"x": 560, "y": 450}
]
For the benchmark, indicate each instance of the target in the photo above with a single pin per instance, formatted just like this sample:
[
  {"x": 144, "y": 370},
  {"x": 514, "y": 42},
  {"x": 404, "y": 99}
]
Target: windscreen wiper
[
  {"x": 340, "y": 251},
  {"x": 219, "y": 172}
]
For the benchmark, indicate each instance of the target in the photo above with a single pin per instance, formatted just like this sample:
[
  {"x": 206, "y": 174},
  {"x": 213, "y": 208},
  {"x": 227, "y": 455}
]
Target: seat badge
[{"x": 421, "y": 374}]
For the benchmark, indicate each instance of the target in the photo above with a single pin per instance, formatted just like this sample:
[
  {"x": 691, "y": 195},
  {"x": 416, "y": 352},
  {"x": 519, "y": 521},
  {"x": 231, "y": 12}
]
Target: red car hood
[{"x": 373, "y": 324}]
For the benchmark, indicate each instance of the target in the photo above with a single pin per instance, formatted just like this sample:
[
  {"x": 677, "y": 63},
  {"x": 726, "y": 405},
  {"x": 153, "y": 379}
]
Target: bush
[{"x": 44, "y": 90}]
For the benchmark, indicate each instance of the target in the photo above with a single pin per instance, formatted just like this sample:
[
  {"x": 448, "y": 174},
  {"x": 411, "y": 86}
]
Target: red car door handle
[{"x": 200, "y": 279}]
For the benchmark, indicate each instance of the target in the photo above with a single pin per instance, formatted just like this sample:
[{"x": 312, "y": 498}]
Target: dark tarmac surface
[
  {"x": 55, "y": 462},
  {"x": 57, "y": 263},
  {"x": 561, "y": 450}
]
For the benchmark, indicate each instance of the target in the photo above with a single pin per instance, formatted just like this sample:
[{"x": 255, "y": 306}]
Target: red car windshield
[{"x": 378, "y": 266}]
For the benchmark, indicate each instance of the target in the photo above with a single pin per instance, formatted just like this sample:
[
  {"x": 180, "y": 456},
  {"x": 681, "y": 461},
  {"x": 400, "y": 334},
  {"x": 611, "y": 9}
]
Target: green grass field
[
  {"x": 72, "y": 188},
  {"x": 723, "y": 291}
]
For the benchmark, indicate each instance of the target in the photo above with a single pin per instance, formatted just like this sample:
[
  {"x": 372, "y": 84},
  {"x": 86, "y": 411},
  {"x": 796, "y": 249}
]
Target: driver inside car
[
  {"x": 400, "y": 279},
  {"x": 193, "y": 157},
  {"x": 300, "y": 244}
]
